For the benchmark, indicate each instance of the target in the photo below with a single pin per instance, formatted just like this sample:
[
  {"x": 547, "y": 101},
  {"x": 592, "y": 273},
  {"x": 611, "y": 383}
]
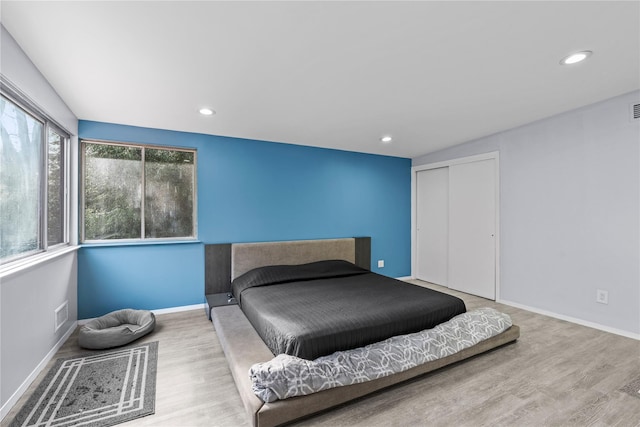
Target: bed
[
  {"x": 345, "y": 264},
  {"x": 315, "y": 309}
]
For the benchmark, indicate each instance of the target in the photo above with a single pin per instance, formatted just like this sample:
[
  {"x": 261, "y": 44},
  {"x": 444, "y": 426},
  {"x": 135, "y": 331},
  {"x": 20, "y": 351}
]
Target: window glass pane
[
  {"x": 20, "y": 181},
  {"x": 169, "y": 178},
  {"x": 55, "y": 189},
  {"x": 113, "y": 192}
]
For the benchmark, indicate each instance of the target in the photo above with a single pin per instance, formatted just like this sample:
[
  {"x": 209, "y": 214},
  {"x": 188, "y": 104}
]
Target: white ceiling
[{"x": 330, "y": 74}]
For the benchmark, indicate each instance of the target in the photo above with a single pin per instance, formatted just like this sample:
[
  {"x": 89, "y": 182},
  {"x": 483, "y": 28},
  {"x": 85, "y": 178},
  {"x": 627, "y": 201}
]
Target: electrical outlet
[
  {"x": 602, "y": 297},
  {"x": 380, "y": 263}
]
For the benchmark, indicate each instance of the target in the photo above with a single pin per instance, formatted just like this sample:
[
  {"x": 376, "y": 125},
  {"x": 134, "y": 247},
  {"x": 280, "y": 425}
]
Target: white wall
[
  {"x": 570, "y": 212},
  {"x": 28, "y": 301},
  {"x": 29, "y": 297}
]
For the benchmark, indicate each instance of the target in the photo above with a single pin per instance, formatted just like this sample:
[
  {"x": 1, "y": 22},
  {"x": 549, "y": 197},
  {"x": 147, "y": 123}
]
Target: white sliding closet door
[
  {"x": 432, "y": 225},
  {"x": 472, "y": 228}
]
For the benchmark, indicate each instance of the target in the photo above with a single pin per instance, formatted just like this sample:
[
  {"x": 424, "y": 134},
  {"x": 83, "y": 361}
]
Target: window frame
[
  {"x": 29, "y": 107},
  {"x": 65, "y": 178},
  {"x": 142, "y": 239}
]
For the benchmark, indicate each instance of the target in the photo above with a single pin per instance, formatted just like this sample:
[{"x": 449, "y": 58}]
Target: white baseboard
[
  {"x": 181, "y": 308},
  {"x": 159, "y": 311},
  {"x": 34, "y": 374},
  {"x": 561, "y": 317},
  {"x": 405, "y": 278},
  {"x": 572, "y": 319}
]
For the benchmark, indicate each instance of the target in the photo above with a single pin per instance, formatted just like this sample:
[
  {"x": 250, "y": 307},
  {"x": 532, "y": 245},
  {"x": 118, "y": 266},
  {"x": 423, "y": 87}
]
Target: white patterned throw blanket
[{"x": 286, "y": 376}]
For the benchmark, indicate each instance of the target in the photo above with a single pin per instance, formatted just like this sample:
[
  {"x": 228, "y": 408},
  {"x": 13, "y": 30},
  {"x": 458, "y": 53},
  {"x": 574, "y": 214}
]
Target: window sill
[
  {"x": 33, "y": 261},
  {"x": 138, "y": 243}
]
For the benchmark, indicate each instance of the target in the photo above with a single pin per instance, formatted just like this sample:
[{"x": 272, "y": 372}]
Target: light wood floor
[{"x": 557, "y": 374}]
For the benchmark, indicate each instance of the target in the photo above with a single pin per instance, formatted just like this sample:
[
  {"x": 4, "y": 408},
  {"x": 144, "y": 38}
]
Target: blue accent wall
[{"x": 251, "y": 191}]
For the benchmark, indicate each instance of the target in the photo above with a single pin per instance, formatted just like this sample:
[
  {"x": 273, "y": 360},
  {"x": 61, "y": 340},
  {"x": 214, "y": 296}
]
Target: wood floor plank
[{"x": 557, "y": 374}]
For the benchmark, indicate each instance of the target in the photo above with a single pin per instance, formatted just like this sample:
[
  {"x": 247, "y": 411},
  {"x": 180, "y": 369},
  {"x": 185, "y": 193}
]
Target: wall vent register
[{"x": 61, "y": 315}]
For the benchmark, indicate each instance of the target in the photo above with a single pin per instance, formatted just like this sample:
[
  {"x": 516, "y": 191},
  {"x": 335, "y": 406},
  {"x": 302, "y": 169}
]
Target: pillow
[{"x": 275, "y": 274}]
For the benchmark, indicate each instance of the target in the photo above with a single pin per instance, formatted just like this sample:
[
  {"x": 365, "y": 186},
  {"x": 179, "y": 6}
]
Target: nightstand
[{"x": 216, "y": 300}]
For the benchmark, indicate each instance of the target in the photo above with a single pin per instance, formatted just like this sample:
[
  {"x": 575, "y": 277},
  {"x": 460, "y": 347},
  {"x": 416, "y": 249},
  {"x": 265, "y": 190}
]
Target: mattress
[{"x": 315, "y": 309}]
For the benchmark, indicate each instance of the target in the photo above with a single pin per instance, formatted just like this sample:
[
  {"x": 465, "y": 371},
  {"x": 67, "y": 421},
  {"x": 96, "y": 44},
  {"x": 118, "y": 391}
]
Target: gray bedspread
[
  {"x": 316, "y": 309},
  {"x": 287, "y": 376}
]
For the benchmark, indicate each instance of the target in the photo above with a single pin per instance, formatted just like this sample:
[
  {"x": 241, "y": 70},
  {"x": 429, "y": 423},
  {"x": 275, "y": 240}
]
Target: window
[
  {"x": 33, "y": 201},
  {"x": 138, "y": 192},
  {"x": 55, "y": 188}
]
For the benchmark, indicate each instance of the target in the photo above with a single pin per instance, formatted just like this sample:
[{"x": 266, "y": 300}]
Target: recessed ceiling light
[
  {"x": 386, "y": 139},
  {"x": 574, "y": 58},
  {"x": 207, "y": 111}
]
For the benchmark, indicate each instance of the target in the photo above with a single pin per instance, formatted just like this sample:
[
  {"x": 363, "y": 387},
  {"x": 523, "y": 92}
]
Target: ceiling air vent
[{"x": 635, "y": 111}]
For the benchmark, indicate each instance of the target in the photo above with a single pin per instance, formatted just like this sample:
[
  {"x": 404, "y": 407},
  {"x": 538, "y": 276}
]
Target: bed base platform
[{"x": 243, "y": 347}]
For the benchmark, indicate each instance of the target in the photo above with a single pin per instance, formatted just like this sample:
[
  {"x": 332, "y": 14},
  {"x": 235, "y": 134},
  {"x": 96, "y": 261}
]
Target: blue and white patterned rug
[{"x": 97, "y": 390}]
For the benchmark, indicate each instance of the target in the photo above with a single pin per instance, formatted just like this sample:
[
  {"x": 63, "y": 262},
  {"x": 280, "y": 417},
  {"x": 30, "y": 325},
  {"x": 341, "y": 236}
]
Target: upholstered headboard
[
  {"x": 247, "y": 256},
  {"x": 224, "y": 262}
]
